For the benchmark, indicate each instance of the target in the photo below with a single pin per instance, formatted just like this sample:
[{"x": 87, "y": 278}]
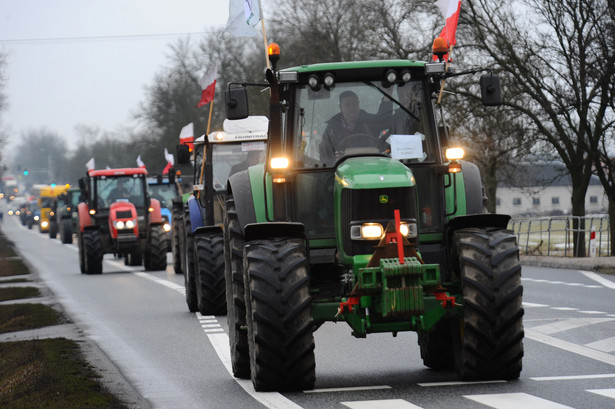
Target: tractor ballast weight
[
  {"x": 122, "y": 221},
  {"x": 382, "y": 227}
]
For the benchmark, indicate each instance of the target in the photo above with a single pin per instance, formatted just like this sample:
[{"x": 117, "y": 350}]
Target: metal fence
[{"x": 554, "y": 236}]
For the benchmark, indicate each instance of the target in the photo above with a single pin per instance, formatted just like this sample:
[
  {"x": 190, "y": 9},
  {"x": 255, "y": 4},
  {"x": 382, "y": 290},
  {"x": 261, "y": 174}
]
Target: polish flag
[
  {"x": 186, "y": 136},
  {"x": 170, "y": 161},
  {"x": 208, "y": 84},
  {"x": 140, "y": 162},
  {"x": 450, "y": 11}
]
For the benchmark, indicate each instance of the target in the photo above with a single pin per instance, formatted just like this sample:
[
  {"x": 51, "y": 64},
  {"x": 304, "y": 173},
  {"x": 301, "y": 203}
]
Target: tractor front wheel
[
  {"x": 66, "y": 232},
  {"x": 209, "y": 273},
  {"x": 92, "y": 252},
  {"x": 189, "y": 281},
  {"x": 280, "y": 326},
  {"x": 235, "y": 292},
  {"x": 489, "y": 337},
  {"x": 156, "y": 251}
]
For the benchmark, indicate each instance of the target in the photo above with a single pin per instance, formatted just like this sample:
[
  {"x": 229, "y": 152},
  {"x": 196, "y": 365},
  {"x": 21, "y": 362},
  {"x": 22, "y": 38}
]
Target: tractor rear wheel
[
  {"x": 280, "y": 326},
  {"x": 489, "y": 339},
  {"x": 175, "y": 242},
  {"x": 209, "y": 273},
  {"x": 235, "y": 292},
  {"x": 66, "y": 232},
  {"x": 155, "y": 257},
  {"x": 92, "y": 252},
  {"x": 189, "y": 282}
]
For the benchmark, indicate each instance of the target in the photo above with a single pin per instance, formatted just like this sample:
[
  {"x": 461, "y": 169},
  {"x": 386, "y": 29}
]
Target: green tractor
[{"x": 362, "y": 214}]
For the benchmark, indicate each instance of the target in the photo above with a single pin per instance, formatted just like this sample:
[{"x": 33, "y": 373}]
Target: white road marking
[
  {"x": 533, "y": 305},
  {"x": 570, "y": 347},
  {"x": 609, "y": 393},
  {"x": 599, "y": 279},
  {"x": 381, "y": 404},
  {"x": 565, "y": 308},
  {"x": 573, "y": 377},
  {"x": 515, "y": 401},
  {"x": 161, "y": 281},
  {"x": 457, "y": 383},
  {"x": 568, "y": 324},
  {"x": 535, "y": 280},
  {"x": 348, "y": 389},
  {"x": 604, "y": 345}
]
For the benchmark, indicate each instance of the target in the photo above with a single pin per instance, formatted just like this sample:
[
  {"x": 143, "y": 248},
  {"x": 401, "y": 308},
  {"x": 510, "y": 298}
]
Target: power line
[{"x": 95, "y": 38}]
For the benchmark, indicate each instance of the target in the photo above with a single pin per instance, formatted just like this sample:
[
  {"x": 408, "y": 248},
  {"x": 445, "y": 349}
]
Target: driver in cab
[
  {"x": 352, "y": 127},
  {"x": 120, "y": 192}
]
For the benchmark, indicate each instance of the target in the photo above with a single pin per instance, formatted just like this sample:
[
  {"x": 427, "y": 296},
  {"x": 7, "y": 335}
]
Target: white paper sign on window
[{"x": 407, "y": 146}]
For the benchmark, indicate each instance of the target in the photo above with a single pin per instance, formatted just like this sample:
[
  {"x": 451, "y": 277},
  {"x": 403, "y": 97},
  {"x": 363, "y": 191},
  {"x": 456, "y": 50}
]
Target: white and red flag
[
  {"x": 450, "y": 11},
  {"x": 208, "y": 85},
  {"x": 170, "y": 161},
  {"x": 140, "y": 162},
  {"x": 186, "y": 136}
]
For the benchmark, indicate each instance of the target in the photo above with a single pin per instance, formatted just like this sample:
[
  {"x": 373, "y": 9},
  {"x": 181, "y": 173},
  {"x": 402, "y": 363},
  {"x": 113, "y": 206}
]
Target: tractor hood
[{"x": 373, "y": 172}]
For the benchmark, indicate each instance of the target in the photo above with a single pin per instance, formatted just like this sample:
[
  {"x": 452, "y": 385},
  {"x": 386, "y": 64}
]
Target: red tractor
[{"x": 119, "y": 217}]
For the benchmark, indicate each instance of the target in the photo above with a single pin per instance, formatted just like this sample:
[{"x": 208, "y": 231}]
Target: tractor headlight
[
  {"x": 36, "y": 218},
  {"x": 366, "y": 231},
  {"x": 408, "y": 229},
  {"x": 166, "y": 227},
  {"x": 121, "y": 225},
  {"x": 44, "y": 224}
]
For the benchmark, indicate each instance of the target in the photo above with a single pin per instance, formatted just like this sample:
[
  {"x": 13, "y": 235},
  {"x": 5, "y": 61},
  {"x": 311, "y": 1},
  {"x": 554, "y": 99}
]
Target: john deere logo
[{"x": 383, "y": 199}]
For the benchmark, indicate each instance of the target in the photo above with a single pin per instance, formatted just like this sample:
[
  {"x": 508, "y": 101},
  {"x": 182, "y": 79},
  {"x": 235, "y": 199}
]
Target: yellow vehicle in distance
[{"x": 46, "y": 198}]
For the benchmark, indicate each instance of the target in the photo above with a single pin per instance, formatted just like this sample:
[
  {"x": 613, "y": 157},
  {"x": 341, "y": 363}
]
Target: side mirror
[
  {"x": 183, "y": 154},
  {"x": 490, "y": 89},
  {"x": 83, "y": 190},
  {"x": 443, "y": 132},
  {"x": 236, "y": 103}
]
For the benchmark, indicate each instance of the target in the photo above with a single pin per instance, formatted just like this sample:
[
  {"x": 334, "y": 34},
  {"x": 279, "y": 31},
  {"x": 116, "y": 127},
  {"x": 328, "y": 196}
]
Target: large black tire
[
  {"x": 175, "y": 241},
  {"x": 209, "y": 273},
  {"x": 279, "y": 316},
  {"x": 489, "y": 338},
  {"x": 437, "y": 349},
  {"x": 92, "y": 252},
  {"x": 53, "y": 230},
  {"x": 189, "y": 280},
  {"x": 66, "y": 232},
  {"x": 81, "y": 248},
  {"x": 133, "y": 259},
  {"x": 235, "y": 293},
  {"x": 155, "y": 257}
]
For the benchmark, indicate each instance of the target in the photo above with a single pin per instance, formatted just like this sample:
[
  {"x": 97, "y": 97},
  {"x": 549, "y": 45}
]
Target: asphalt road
[{"x": 178, "y": 359}]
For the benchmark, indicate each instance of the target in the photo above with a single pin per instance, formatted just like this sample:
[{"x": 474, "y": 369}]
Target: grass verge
[
  {"x": 16, "y": 293},
  {"x": 49, "y": 373}
]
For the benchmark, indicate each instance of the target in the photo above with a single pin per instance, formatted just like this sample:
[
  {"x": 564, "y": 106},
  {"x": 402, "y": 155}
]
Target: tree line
[{"x": 556, "y": 60}]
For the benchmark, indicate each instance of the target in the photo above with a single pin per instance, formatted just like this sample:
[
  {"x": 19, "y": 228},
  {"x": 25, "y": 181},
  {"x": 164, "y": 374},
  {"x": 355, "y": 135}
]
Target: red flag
[
  {"x": 208, "y": 84},
  {"x": 186, "y": 136},
  {"x": 165, "y": 171},
  {"x": 450, "y": 11}
]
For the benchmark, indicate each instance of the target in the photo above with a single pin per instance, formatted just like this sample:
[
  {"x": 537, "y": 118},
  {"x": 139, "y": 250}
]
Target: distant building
[{"x": 545, "y": 189}]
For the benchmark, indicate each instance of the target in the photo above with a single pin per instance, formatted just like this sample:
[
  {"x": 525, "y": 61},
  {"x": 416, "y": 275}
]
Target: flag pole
[
  {"x": 211, "y": 109},
  {"x": 260, "y": 9},
  {"x": 450, "y": 50}
]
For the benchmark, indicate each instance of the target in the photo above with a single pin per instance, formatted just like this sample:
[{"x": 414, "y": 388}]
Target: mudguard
[
  {"x": 473, "y": 188},
  {"x": 84, "y": 216},
  {"x": 155, "y": 216},
  {"x": 194, "y": 210},
  {"x": 259, "y": 231},
  {"x": 240, "y": 188}
]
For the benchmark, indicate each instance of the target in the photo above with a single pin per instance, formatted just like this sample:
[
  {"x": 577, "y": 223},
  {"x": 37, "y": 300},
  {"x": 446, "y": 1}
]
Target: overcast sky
[{"x": 87, "y": 61}]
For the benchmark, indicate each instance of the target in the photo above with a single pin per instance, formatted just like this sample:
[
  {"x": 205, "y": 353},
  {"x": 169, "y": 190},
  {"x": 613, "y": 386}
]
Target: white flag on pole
[
  {"x": 90, "y": 164},
  {"x": 243, "y": 17}
]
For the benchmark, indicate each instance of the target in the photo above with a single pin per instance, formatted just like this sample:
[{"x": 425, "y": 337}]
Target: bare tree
[
  {"x": 3, "y": 106},
  {"x": 546, "y": 52}
]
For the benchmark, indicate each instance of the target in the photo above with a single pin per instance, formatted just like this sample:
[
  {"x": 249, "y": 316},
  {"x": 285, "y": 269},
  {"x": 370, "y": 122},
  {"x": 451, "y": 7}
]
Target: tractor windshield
[
  {"x": 164, "y": 192},
  {"x": 121, "y": 188},
  {"x": 230, "y": 158},
  {"x": 356, "y": 118}
]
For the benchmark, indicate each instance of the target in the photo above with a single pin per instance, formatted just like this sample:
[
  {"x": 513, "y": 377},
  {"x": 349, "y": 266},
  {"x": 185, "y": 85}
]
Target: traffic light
[{"x": 25, "y": 172}]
